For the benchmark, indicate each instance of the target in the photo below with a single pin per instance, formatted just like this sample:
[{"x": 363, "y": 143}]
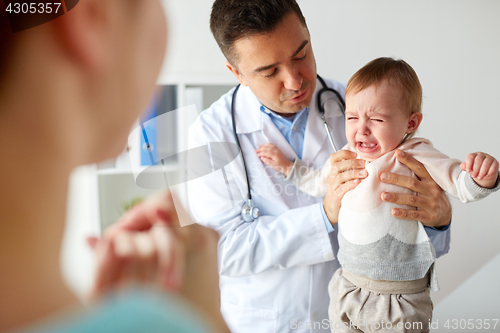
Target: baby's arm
[
  {"x": 483, "y": 168},
  {"x": 272, "y": 156},
  {"x": 309, "y": 180}
]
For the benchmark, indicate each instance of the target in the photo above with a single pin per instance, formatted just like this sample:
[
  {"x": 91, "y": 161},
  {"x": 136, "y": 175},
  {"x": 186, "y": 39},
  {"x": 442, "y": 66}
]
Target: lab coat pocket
[{"x": 241, "y": 319}]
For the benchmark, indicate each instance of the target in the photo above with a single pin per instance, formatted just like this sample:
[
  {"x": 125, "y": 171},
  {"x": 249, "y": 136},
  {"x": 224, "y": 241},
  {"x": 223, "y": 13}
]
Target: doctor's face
[{"x": 279, "y": 67}]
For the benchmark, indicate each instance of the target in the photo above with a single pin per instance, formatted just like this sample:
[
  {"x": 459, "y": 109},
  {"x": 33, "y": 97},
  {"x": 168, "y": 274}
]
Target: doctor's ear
[
  {"x": 236, "y": 73},
  {"x": 414, "y": 122}
]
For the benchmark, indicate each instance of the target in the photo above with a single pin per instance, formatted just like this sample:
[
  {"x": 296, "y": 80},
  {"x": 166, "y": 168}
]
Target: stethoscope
[{"x": 249, "y": 212}]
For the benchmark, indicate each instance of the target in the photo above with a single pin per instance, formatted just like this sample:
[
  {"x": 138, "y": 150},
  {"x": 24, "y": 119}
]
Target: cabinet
[{"x": 127, "y": 178}]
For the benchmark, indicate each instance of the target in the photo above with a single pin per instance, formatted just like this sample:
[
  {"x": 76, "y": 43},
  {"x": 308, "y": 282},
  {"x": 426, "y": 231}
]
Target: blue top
[{"x": 134, "y": 311}]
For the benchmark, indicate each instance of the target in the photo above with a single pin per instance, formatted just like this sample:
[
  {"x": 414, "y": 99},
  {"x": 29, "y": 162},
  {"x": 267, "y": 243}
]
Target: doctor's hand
[
  {"x": 148, "y": 246},
  {"x": 433, "y": 207},
  {"x": 346, "y": 174}
]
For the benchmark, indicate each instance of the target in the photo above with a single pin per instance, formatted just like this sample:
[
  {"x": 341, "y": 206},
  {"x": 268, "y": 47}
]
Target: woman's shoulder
[{"x": 141, "y": 310}]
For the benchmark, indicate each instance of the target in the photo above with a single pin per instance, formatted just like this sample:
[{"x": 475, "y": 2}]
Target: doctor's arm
[
  {"x": 295, "y": 238},
  {"x": 279, "y": 238}
]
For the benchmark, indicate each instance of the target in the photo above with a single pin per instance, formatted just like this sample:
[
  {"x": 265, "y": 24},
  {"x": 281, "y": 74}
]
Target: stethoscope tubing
[
  {"x": 248, "y": 208},
  {"x": 238, "y": 140}
]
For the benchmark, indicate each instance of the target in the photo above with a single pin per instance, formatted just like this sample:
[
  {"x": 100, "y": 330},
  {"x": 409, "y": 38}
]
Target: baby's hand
[
  {"x": 272, "y": 156},
  {"x": 483, "y": 168}
]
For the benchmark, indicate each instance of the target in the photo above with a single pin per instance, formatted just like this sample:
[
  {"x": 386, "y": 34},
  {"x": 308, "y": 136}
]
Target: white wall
[
  {"x": 454, "y": 47},
  {"x": 192, "y": 51}
]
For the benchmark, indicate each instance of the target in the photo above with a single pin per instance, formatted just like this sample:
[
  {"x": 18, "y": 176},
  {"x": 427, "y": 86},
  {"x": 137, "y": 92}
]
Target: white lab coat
[{"x": 274, "y": 271}]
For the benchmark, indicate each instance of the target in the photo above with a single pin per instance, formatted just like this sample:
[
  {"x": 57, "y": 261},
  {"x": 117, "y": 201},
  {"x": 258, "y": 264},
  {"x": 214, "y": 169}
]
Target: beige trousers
[{"x": 360, "y": 304}]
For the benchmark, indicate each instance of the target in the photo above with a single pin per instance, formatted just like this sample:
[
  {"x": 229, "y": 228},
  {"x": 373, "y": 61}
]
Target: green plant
[{"x": 127, "y": 205}]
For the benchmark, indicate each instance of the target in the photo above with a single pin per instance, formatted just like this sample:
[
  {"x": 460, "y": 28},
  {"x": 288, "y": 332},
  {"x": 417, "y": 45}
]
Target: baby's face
[{"x": 377, "y": 120}]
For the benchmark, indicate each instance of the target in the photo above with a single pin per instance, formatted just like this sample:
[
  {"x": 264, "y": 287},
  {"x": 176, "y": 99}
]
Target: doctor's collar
[{"x": 292, "y": 117}]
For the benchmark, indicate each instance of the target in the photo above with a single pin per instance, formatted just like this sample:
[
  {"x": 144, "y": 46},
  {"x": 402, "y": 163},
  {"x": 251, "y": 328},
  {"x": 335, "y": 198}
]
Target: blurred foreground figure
[{"x": 63, "y": 86}]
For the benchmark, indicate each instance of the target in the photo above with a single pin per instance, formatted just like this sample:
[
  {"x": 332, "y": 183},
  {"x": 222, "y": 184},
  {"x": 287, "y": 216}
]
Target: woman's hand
[
  {"x": 148, "y": 246},
  {"x": 433, "y": 208}
]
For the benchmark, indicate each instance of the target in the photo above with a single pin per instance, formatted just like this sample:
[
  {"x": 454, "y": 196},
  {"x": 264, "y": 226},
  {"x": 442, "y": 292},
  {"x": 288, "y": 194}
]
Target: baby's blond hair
[{"x": 397, "y": 72}]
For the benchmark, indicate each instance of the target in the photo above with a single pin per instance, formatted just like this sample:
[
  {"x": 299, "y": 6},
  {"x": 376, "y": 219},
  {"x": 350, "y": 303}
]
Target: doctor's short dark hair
[
  {"x": 398, "y": 72},
  {"x": 232, "y": 20}
]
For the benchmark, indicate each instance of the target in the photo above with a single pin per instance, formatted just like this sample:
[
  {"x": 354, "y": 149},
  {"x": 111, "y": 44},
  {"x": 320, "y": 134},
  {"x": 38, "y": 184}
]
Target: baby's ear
[{"x": 414, "y": 121}]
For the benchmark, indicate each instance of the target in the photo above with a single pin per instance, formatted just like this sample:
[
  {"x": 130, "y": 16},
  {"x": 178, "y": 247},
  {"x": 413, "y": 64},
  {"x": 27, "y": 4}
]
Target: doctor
[{"x": 274, "y": 270}]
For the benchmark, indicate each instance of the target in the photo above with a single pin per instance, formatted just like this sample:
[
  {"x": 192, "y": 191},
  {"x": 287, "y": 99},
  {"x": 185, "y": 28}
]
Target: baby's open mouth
[{"x": 366, "y": 147}]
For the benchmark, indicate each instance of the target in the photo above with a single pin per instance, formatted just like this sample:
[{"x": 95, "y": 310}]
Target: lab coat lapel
[
  {"x": 248, "y": 117},
  {"x": 251, "y": 119},
  {"x": 274, "y": 136},
  {"x": 315, "y": 136}
]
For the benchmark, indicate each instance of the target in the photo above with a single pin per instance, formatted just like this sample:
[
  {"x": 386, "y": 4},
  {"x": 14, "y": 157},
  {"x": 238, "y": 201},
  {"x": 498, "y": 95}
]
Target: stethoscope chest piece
[{"x": 249, "y": 212}]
